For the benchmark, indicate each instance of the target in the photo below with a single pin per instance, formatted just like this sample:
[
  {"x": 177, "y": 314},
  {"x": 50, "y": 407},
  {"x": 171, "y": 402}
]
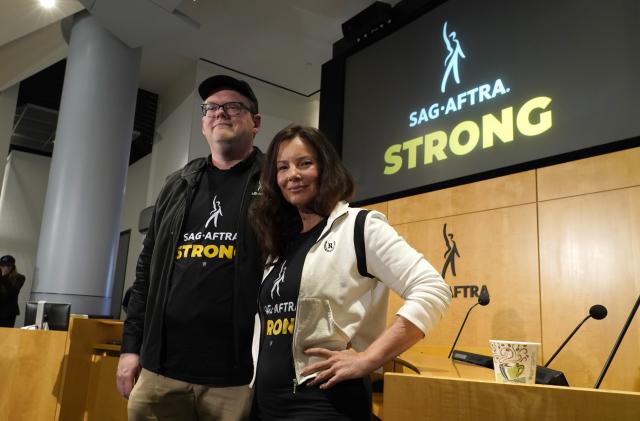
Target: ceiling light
[{"x": 47, "y": 4}]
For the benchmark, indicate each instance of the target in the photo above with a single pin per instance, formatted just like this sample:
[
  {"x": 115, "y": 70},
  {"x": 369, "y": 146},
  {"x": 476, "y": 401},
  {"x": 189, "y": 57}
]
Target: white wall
[
  {"x": 173, "y": 131},
  {"x": 170, "y": 147},
  {"x": 134, "y": 201},
  {"x": 21, "y": 206}
]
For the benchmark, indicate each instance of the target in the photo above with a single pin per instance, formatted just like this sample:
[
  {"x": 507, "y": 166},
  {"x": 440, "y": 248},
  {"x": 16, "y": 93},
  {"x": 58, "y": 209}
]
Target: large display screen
[{"x": 475, "y": 86}]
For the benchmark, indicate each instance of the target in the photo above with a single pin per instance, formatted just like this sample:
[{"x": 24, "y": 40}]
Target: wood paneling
[
  {"x": 605, "y": 172},
  {"x": 510, "y": 190},
  {"x": 408, "y": 397},
  {"x": 84, "y": 335},
  {"x": 380, "y": 207},
  {"x": 590, "y": 254},
  {"x": 588, "y": 221},
  {"x": 30, "y": 365},
  {"x": 51, "y": 375},
  {"x": 499, "y": 249},
  {"x": 104, "y": 403}
]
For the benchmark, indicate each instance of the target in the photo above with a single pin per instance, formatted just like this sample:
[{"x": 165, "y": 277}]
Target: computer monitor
[{"x": 55, "y": 314}]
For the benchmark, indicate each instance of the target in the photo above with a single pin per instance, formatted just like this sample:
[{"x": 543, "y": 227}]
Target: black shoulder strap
[{"x": 358, "y": 241}]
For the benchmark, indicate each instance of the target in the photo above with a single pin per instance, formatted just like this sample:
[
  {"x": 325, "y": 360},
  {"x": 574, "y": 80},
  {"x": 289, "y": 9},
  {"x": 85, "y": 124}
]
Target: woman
[
  {"x": 10, "y": 284},
  {"x": 322, "y": 319}
]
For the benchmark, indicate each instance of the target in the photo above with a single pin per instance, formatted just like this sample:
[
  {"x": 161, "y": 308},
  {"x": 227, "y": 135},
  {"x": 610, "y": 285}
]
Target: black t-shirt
[
  {"x": 199, "y": 311},
  {"x": 274, "y": 396}
]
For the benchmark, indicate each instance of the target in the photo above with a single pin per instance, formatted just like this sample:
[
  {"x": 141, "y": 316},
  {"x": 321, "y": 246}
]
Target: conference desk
[
  {"x": 31, "y": 367},
  {"x": 50, "y": 375},
  {"x": 71, "y": 376},
  {"x": 451, "y": 390}
]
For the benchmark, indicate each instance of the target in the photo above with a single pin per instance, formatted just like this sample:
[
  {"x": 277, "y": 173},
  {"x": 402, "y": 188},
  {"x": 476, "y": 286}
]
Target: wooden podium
[
  {"x": 89, "y": 392},
  {"x": 31, "y": 367},
  {"x": 49, "y": 375},
  {"x": 449, "y": 390}
]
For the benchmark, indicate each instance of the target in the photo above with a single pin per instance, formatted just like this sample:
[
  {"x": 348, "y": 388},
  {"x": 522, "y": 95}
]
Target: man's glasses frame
[{"x": 232, "y": 109}]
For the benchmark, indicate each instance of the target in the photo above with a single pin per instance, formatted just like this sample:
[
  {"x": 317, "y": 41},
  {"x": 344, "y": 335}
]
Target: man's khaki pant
[{"x": 155, "y": 397}]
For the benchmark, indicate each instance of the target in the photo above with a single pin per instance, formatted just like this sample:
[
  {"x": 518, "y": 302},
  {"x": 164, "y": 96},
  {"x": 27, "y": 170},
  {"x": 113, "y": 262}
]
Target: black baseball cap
[
  {"x": 7, "y": 260},
  {"x": 218, "y": 82}
]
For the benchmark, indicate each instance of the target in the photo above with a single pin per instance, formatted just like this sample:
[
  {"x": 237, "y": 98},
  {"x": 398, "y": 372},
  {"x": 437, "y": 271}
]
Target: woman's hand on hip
[{"x": 338, "y": 366}]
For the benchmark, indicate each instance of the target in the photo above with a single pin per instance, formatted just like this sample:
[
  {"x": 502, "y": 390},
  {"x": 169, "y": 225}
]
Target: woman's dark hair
[{"x": 275, "y": 220}]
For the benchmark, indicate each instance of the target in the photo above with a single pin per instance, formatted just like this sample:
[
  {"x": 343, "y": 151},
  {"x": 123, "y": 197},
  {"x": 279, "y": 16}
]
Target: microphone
[
  {"x": 597, "y": 312},
  {"x": 617, "y": 344},
  {"x": 483, "y": 300}
]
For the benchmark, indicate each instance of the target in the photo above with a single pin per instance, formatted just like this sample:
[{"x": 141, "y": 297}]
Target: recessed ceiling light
[{"x": 47, "y": 4}]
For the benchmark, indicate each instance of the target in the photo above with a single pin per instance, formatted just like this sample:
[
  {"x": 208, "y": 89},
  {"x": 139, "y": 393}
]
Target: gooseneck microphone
[
  {"x": 617, "y": 344},
  {"x": 483, "y": 300},
  {"x": 597, "y": 312}
]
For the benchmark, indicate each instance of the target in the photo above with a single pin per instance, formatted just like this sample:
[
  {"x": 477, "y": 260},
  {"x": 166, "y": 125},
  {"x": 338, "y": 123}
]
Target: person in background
[
  {"x": 10, "y": 284},
  {"x": 186, "y": 342},
  {"x": 323, "y": 299}
]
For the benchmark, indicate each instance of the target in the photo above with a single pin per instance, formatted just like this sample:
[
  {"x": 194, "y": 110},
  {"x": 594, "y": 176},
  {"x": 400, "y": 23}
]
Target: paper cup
[{"x": 514, "y": 362}]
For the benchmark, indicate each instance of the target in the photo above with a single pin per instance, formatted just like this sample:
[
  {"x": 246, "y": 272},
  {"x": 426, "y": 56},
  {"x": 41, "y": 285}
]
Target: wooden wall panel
[
  {"x": 497, "y": 248},
  {"x": 590, "y": 254},
  {"x": 104, "y": 402},
  {"x": 417, "y": 398},
  {"x": 31, "y": 362},
  {"x": 587, "y": 219},
  {"x": 510, "y": 190},
  {"x": 604, "y": 172},
  {"x": 84, "y": 335},
  {"x": 380, "y": 207}
]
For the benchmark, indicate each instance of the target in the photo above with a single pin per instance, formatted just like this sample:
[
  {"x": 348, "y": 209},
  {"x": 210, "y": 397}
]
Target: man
[{"x": 187, "y": 338}]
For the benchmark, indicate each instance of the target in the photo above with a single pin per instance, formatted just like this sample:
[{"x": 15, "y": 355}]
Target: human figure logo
[
  {"x": 216, "y": 211},
  {"x": 450, "y": 254},
  {"x": 279, "y": 280},
  {"x": 451, "y": 61}
]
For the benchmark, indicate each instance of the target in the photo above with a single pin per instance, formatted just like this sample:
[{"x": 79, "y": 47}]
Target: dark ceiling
[{"x": 37, "y": 114}]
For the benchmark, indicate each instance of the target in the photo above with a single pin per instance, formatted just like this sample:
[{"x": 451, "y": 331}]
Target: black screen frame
[
  {"x": 331, "y": 113},
  {"x": 57, "y": 315}
]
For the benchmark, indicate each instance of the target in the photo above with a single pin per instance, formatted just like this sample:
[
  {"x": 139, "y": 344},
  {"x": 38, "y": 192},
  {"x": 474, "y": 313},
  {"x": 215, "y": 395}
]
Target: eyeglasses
[{"x": 232, "y": 109}]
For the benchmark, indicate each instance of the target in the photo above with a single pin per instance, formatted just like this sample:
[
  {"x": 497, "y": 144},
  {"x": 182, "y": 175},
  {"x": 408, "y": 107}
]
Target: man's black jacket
[{"x": 144, "y": 326}]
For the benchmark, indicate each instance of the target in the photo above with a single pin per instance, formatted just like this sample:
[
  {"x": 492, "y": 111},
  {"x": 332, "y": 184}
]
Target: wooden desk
[
  {"x": 31, "y": 366},
  {"x": 432, "y": 366},
  {"x": 408, "y": 397},
  {"x": 90, "y": 381},
  {"x": 448, "y": 390},
  {"x": 104, "y": 403},
  {"x": 50, "y": 375}
]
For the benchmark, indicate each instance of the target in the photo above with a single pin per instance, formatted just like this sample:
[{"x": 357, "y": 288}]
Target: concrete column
[
  {"x": 76, "y": 251},
  {"x": 8, "y": 101}
]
